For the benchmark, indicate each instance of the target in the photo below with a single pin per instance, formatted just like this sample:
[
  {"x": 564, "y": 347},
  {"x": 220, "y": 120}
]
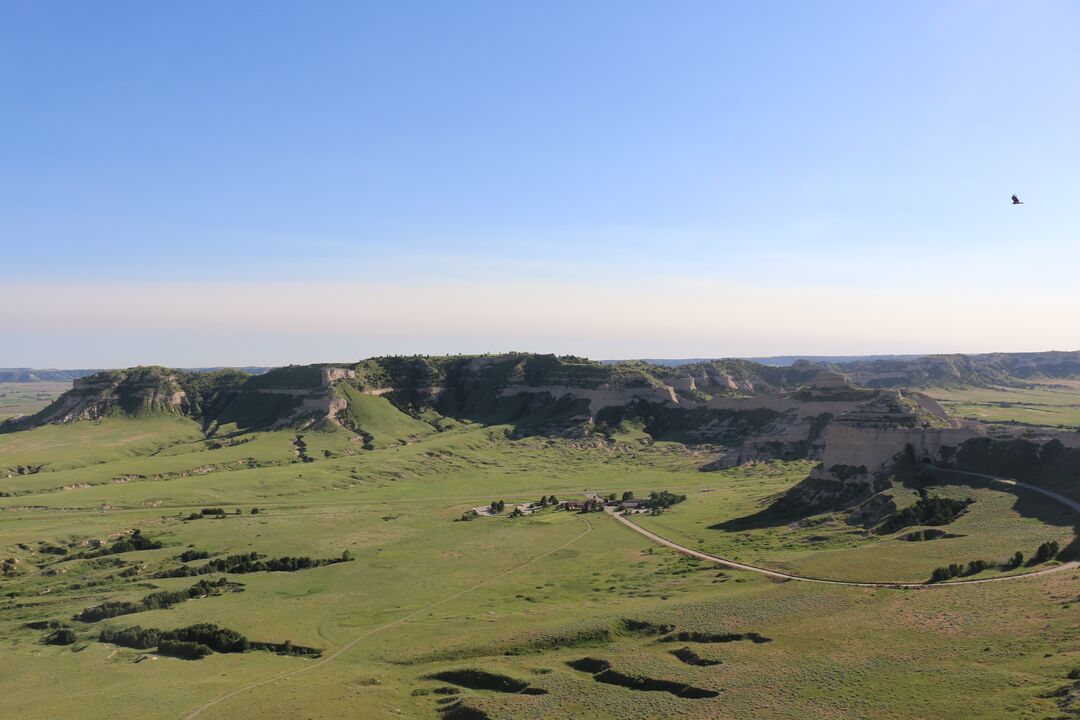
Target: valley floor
[{"x": 430, "y": 616}]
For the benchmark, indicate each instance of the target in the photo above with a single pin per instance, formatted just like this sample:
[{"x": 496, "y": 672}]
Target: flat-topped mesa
[{"x": 133, "y": 391}]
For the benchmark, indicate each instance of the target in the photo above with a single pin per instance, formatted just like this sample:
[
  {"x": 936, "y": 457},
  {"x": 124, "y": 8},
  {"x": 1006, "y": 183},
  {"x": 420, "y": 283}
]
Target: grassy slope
[
  {"x": 998, "y": 524},
  {"x": 376, "y": 417},
  {"x": 837, "y": 652}
]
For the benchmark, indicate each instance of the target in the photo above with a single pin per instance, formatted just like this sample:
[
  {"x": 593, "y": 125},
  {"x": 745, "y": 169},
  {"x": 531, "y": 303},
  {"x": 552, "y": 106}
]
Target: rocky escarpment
[
  {"x": 866, "y": 449},
  {"x": 752, "y": 411},
  {"x": 1008, "y": 369},
  {"x": 132, "y": 392},
  {"x": 743, "y": 410},
  {"x": 212, "y": 398}
]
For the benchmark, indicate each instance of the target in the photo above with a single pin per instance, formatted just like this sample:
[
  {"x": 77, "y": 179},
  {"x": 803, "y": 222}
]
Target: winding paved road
[{"x": 1072, "y": 504}]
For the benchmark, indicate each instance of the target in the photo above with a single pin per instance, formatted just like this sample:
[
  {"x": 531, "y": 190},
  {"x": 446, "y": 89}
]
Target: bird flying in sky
[{"x": 1017, "y": 201}]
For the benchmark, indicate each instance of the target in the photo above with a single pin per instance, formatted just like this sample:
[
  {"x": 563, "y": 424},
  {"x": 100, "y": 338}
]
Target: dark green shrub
[
  {"x": 182, "y": 649},
  {"x": 63, "y": 636}
]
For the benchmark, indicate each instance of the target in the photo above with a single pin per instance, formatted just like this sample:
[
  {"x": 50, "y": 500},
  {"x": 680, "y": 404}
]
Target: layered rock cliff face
[
  {"x": 865, "y": 449},
  {"x": 132, "y": 392},
  {"x": 720, "y": 401},
  {"x": 741, "y": 410}
]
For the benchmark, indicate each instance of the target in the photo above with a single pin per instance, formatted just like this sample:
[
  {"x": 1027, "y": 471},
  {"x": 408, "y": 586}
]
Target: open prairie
[
  {"x": 26, "y": 398},
  {"x": 1051, "y": 403},
  {"x": 424, "y": 615}
]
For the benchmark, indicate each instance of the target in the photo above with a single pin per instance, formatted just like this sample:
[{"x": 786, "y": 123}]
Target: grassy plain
[
  {"x": 992, "y": 528},
  {"x": 1055, "y": 403},
  {"x": 426, "y": 593},
  {"x": 28, "y": 398}
]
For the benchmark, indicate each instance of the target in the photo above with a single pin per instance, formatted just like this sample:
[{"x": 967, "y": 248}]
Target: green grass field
[
  {"x": 1055, "y": 403},
  {"x": 826, "y": 546},
  {"x": 426, "y": 594},
  {"x": 28, "y": 398}
]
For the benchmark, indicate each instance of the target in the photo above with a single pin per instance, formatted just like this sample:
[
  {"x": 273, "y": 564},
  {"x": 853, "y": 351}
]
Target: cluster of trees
[
  {"x": 497, "y": 506},
  {"x": 469, "y": 515},
  {"x": 135, "y": 541},
  {"x": 253, "y": 562},
  {"x": 952, "y": 570},
  {"x": 215, "y": 638},
  {"x": 1045, "y": 552},
  {"x": 657, "y": 502},
  {"x": 193, "y": 554},
  {"x": 54, "y": 550},
  {"x": 183, "y": 649},
  {"x": 925, "y": 511},
  {"x": 546, "y": 500},
  {"x": 196, "y": 641},
  {"x": 154, "y": 601}
]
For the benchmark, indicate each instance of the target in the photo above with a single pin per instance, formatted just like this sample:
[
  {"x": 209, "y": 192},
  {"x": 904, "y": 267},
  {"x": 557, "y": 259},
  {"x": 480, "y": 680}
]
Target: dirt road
[{"x": 883, "y": 584}]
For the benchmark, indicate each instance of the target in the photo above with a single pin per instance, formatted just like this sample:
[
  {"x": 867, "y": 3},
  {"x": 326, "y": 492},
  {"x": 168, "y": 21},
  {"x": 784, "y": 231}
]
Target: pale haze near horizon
[{"x": 270, "y": 183}]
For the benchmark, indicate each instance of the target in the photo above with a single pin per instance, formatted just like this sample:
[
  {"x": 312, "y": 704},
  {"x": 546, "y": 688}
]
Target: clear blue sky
[{"x": 271, "y": 182}]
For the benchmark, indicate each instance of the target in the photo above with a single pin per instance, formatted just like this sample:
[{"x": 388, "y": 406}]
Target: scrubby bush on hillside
[
  {"x": 925, "y": 511},
  {"x": 132, "y": 637},
  {"x": 136, "y": 541},
  {"x": 63, "y": 636},
  {"x": 252, "y": 562},
  {"x": 187, "y": 641},
  {"x": 153, "y": 601},
  {"x": 181, "y": 649},
  {"x": 212, "y": 636}
]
